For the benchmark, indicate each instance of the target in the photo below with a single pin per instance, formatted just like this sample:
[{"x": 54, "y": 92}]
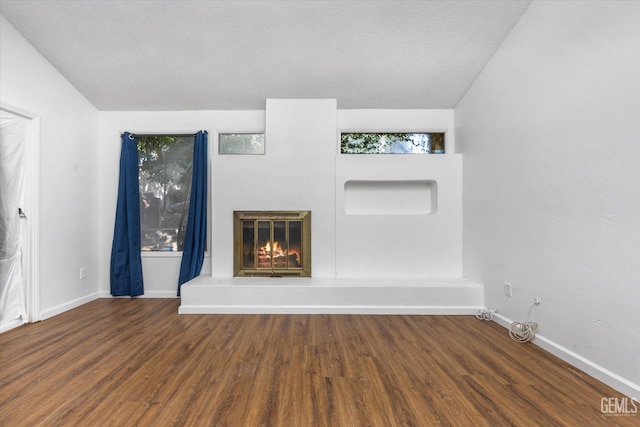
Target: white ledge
[
  {"x": 216, "y": 295},
  {"x": 331, "y": 282}
]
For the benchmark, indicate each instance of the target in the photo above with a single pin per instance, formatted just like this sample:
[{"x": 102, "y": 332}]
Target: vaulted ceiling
[{"x": 194, "y": 55}]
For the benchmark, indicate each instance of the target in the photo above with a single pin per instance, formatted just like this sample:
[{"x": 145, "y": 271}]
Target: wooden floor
[{"x": 122, "y": 362}]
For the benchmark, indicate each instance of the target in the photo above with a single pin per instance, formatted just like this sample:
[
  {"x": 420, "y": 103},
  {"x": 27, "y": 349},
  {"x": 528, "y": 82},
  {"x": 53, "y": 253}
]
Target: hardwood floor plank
[{"x": 122, "y": 362}]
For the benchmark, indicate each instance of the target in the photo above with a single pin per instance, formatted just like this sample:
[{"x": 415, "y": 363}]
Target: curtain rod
[{"x": 135, "y": 135}]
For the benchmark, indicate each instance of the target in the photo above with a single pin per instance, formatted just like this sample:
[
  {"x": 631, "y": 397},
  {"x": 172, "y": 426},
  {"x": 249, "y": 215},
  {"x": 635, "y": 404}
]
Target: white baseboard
[
  {"x": 160, "y": 294},
  {"x": 613, "y": 380},
  {"x": 50, "y": 312},
  {"x": 11, "y": 325},
  {"x": 147, "y": 294}
]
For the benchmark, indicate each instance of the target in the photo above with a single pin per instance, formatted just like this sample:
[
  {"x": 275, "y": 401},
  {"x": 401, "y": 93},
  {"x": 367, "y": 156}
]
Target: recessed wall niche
[{"x": 406, "y": 197}]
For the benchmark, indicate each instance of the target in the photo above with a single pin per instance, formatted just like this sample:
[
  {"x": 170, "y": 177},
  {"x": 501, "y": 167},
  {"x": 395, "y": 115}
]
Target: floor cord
[{"x": 525, "y": 331}]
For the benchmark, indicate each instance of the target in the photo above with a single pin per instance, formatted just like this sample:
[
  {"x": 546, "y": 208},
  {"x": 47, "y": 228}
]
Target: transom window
[
  {"x": 392, "y": 143},
  {"x": 241, "y": 143}
]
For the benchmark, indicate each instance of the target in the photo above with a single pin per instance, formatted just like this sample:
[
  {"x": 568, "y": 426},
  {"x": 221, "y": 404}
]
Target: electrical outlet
[
  {"x": 83, "y": 273},
  {"x": 537, "y": 301},
  {"x": 507, "y": 288}
]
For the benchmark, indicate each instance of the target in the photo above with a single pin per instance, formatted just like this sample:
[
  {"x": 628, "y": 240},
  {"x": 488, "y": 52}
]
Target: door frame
[{"x": 31, "y": 244}]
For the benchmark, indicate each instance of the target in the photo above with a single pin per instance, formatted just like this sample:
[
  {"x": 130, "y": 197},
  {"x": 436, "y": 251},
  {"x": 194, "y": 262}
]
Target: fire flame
[
  {"x": 273, "y": 252},
  {"x": 274, "y": 249}
]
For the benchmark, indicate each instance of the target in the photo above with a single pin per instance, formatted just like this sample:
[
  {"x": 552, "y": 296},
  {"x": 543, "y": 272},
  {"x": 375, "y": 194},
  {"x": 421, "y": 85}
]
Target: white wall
[
  {"x": 551, "y": 149},
  {"x": 302, "y": 170},
  {"x": 401, "y": 244},
  {"x": 68, "y": 182},
  {"x": 296, "y": 173}
]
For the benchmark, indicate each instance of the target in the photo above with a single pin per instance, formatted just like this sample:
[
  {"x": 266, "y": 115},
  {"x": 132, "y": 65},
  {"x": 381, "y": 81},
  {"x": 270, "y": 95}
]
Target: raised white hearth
[
  {"x": 386, "y": 231},
  {"x": 250, "y": 295}
]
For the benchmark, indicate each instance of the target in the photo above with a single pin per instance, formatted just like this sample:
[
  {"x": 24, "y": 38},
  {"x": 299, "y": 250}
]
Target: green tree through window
[
  {"x": 165, "y": 167},
  {"x": 241, "y": 143},
  {"x": 392, "y": 143}
]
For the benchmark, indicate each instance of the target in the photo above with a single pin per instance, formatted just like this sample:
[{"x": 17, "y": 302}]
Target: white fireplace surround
[{"x": 387, "y": 229}]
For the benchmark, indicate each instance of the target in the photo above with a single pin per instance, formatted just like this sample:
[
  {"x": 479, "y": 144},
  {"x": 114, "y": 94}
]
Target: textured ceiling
[{"x": 193, "y": 55}]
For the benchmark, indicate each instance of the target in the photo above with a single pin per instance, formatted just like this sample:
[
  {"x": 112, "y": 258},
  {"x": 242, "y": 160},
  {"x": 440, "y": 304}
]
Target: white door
[{"x": 18, "y": 215}]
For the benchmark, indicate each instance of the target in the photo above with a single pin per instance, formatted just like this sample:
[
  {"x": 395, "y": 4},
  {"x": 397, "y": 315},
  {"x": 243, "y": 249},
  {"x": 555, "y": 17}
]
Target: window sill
[{"x": 166, "y": 254}]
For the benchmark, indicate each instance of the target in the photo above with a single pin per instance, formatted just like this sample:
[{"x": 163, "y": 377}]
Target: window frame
[
  {"x": 446, "y": 132},
  {"x": 174, "y": 254},
  {"x": 219, "y": 132}
]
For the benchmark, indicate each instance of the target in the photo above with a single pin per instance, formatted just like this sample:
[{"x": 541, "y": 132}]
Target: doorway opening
[{"x": 20, "y": 263}]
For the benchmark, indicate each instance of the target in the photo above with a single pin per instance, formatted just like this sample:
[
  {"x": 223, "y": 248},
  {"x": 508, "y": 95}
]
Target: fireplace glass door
[{"x": 269, "y": 243}]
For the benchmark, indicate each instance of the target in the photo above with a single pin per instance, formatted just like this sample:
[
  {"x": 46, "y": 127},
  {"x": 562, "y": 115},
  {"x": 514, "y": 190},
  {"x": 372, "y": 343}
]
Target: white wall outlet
[
  {"x": 507, "y": 288},
  {"x": 83, "y": 273},
  {"x": 537, "y": 301}
]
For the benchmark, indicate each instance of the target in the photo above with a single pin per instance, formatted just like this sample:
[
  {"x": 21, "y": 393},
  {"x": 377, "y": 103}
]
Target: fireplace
[{"x": 272, "y": 243}]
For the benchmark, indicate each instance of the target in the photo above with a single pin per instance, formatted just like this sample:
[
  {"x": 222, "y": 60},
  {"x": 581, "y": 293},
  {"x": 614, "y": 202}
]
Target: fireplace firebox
[{"x": 272, "y": 243}]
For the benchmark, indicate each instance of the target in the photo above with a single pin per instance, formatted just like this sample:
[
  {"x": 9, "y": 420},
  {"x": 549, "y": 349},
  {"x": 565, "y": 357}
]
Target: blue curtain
[
  {"x": 126, "y": 260},
  {"x": 196, "y": 235}
]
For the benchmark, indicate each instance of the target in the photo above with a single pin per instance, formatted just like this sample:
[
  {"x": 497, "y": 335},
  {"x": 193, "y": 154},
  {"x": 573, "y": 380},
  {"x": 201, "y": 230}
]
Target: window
[
  {"x": 392, "y": 143},
  {"x": 241, "y": 143},
  {"x": 165, "y": 164}
]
